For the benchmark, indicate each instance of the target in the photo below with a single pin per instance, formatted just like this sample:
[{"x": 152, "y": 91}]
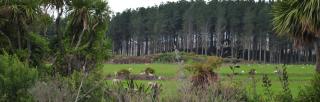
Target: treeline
[{"x": 237, "y": 29}]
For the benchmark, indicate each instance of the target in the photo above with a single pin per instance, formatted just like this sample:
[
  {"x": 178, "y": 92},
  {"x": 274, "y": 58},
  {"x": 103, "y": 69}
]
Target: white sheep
[
  {"x": 151, "y": 75},
  {"x": 242, "y": 71},
  {"x": 142, "y": 73}
]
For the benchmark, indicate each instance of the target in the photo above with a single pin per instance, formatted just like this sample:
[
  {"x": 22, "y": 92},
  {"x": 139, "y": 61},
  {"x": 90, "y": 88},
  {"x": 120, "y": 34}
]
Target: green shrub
[
  {"x": 15, "y": 78},
  {"x": 203, "y": 71},
  {"x": 55, "y": 90},
  {"x": 123, "y": 73},
  {"x": 85, "y": 87},
  {"x": 285, "y": 95},
  {"x": 92, "y": 85},
  {"x": 226, "y": 91},
  {"x": 268, "y": 94},
  {"x": 311, "y": 93},
  {"x": 165, "y": 58},
  {"x": 131, "y": 91},
  {"x": 149, "y": 71},
  {"x": 209, "y": 65}
]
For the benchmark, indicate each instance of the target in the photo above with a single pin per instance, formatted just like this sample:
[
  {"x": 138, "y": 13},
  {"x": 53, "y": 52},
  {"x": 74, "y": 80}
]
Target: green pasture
[{"x": 299, "y": 75}]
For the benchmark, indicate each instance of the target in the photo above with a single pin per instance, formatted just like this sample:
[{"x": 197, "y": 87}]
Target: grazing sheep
[
  {"x": 242, "y": 71},
  {"x": 142, "y": 73},
  {"x": 151, "y": 75}
]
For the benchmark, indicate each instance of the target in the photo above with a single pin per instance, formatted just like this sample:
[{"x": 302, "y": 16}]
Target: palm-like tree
[
  {"x": 19, "y": 25},
  {"x": 300, "y": 20},
  {"x": 84, "y": 35},
  {"x": 16, "y": 16}
]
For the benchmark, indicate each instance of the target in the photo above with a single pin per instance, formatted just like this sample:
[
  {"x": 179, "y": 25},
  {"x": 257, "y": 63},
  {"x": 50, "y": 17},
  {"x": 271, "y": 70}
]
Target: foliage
[
  {"x": 311, "y": 92},
  {"x": 55, "y": 90},
  {"x": 88, "y": 86},
  {"x": 204, "y": 71},
  {"x": 133, "y": 91},
  {"x": 268, "y": 94},
  {"x": 21, "y": 29},
  {"x": 123, "y": 73},
  {"x": 220, "y": 92},
  {"x": 149, "y": 71},
  {"x": 84, "y": 45},
  {"x": 170, "y": 57},
  {"x": 285, "y": 95},
  {"x": 166, "y": 58},
  {"x": 239, "y": 29},
  {"x": 299, "y": 20},
  {"x": 15, "y": 78},
  {"x": 209, "y": 65},
  {"x": 79, "y": 86}
]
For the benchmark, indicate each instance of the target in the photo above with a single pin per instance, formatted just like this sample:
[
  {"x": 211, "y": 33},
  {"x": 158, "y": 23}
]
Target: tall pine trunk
[
  {"x": 317, "y": 50},
  {"x": 147, "y": 45}
]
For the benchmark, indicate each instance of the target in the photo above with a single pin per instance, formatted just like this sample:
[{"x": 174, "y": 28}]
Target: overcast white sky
[{"x": 121, "y": 5}]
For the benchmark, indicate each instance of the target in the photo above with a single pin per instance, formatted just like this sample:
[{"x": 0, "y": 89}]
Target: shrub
[
  {"x": 55, "y": 90},
  {"x": 131, "y": 91},
  {"x": 311, "y": 93},
  {"x": 123, "y": 74},
  {"x": 165, "y": 58},
  {"x": 285, "y": 95},
  {"x": 15, "y": 78},
  {"x": 226, "y": 91},
  {"x": 204, "y": 71},
  {"x": 84, "y": 87},
  {"x": 268, "y": 94},
  {"x": 89, "y": 87},
  {"x": 149, "y": 71}
]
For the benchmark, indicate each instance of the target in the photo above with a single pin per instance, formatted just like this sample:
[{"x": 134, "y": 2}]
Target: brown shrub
[
  {"x": 204, "y": 71},
  {"x": 123, "y": 74}
]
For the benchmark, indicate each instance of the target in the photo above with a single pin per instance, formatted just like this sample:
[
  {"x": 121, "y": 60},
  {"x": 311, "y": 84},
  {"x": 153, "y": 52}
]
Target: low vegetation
[{"x": 55, "y": 51}]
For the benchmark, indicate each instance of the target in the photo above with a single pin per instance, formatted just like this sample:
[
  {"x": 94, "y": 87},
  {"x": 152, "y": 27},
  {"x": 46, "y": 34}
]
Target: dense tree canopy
[
  {"x": 70, "y": 34},
  {"x": 238, "y": 29}
]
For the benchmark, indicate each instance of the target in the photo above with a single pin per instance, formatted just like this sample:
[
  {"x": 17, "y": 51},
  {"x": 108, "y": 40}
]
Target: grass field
[{"x": 299, "y": 75}]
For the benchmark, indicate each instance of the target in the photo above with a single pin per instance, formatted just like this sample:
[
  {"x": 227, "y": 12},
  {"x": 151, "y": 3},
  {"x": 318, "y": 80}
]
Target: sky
[{"x": 121, "y": 5}]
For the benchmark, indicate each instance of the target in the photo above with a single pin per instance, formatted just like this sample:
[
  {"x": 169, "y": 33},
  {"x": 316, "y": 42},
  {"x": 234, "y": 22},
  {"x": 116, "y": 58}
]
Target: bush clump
[
  {"x": 84, "y": 87},
  {"x": 123, "y": 74},
  {"x": 311, "y": 93},
  {"x": 149, "y": 71},
  {"x": 203, "y": 71},
  {"x": 171, "y": 57},
  {"x": 225, "y": 91},
  {"x": 15, "y": 78}
]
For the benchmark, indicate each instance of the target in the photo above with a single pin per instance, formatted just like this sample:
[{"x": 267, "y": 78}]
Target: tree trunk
[
  {"x": 147, "y": 45},
  {"x": 317, "y": 50}
]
